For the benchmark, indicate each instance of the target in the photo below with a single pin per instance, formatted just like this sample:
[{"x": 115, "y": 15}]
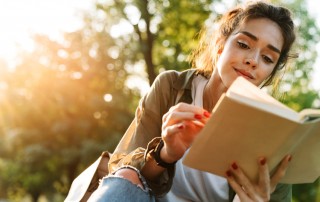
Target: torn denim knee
[{"x": 142, "y": 179}]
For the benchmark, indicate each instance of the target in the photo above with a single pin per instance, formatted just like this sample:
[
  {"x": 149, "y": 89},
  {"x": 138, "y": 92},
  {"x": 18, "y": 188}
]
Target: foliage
[
  {"x": 297, "y": 85},
  {"x": 69, "y": 100},
  {"x": 177, "y": 32},
  {"x": 61, "y": 107},
  {"x": 155, "y": 30}
]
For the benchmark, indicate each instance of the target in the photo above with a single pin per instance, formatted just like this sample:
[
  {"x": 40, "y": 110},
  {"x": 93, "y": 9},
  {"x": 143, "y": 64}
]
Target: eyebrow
[{"x": 253, "y": 37}]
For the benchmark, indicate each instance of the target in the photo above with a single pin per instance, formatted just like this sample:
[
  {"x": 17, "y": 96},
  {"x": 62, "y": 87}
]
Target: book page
[
  {"x": 249, "y": 94},
  {"x": 309, "y": 114}
]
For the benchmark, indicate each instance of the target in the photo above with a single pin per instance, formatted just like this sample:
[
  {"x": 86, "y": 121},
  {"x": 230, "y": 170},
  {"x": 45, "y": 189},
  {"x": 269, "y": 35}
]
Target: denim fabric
[{"x": 117, "y": 189}]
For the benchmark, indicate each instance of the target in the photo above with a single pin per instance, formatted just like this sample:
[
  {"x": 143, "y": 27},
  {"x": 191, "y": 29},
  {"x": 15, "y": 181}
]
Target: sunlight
[
  {"x": 123, "y": 28},
  {"x": 19, "y": 20},
  {"x": 313, "y": 8},
  {"x": 107, "y": 97}
]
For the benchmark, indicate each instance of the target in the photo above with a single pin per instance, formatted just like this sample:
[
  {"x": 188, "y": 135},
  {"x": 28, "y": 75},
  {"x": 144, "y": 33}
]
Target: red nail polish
[
  {"x": 206, "y": 114},
  {"x": 198, "y": 116},
  {"x": 263, "y": 161},
  {"x": 228, "y": 173},
  {"x": 234, "y": 166},
  {"x": 181, "y": 127}
]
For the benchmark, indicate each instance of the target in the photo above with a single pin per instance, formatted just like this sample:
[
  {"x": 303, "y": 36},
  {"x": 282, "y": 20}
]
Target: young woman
[{"x": 252, "y": 42}]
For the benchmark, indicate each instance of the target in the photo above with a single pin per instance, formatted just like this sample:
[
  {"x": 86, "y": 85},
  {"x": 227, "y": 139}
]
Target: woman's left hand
[{"x": 248, "y": 191}]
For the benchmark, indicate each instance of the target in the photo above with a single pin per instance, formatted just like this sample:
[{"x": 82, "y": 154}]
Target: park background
[{"x": 68, "y": 93}]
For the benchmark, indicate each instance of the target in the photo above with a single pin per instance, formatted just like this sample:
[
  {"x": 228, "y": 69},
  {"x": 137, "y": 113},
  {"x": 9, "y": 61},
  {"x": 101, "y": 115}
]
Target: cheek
[
  {"x": 222, "y": 59},
  {"x": 268, "y": 71},
  {"x": 264, "y": 73}
]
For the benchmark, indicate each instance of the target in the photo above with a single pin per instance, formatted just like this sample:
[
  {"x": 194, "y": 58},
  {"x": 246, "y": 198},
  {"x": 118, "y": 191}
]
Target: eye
[
  {"x": 242, "y": 45},
  {"x": 267, "y": 59}
]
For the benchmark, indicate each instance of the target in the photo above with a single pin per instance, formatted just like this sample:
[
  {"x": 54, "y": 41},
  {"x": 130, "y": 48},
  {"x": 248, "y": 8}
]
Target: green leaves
[{"x": 69, "y": 100}]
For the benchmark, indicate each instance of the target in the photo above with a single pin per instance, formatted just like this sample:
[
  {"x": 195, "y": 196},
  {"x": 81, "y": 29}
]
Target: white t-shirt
[{"x": 191, "y": 184}]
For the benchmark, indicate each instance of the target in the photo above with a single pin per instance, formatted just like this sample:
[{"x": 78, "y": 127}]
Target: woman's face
[{"x": 251, "y": 51}]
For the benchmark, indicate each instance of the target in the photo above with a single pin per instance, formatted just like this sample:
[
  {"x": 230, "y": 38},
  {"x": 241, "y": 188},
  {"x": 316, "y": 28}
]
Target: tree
[
  {"x": 156, "y": 26},
  {"x": 297, "y": 83},
  {"x": 69, "y": 100},
  {"x": 64, "y": 104}
]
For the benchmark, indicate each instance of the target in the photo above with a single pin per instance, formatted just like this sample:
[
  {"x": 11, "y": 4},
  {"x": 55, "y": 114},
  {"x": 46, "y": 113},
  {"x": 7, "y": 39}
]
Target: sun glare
[{"x": 19, "y": 20}]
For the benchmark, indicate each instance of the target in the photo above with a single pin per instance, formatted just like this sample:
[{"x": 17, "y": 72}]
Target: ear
[{"x": 220, "y": 46}]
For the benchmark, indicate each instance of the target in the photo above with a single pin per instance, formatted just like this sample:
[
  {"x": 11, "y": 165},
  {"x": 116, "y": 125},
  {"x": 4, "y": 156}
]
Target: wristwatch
[{"x": 156, "y": 156}]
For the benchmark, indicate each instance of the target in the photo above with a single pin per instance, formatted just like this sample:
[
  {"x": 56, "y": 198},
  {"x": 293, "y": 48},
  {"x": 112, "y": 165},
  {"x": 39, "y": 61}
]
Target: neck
[{"x": 213, "y": 91}]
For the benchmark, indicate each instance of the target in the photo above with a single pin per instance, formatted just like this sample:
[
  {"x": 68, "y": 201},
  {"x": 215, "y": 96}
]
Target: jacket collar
[{"x": 184, "y": 80}]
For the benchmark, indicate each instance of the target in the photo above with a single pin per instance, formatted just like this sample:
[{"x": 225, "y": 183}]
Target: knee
[{"x": 130, "y": 175}]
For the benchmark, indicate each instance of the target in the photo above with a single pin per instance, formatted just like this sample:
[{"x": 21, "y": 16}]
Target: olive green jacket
[{"x": 169, "y": 88}]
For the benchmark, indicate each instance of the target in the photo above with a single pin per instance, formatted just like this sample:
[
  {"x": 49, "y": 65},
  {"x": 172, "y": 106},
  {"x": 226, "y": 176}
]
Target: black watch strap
[{"x": 156, "y": 156}]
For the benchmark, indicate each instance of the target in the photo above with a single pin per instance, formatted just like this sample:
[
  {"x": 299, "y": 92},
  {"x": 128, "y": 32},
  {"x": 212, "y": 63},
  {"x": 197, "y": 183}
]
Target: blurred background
[{"x": 72, "y": 73}]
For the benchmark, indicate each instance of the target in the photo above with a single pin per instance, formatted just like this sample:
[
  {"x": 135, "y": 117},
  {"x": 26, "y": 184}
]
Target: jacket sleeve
[
  {"x": 145, "y": 131},
  {"x": 283, "y": 193}
]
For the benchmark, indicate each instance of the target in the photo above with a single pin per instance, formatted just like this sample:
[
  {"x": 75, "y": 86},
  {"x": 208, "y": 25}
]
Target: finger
[
  {"x": 280, "y": 172},
  {"x": 185, "y": 131},
  {"x": 170, "y": 131},
  {"x": 176, "y": 117},
  {"x": 264, "y": 177},
  {"x": 193, "y": 127},
  {"x": 178, "y": 138},
  {"x": 243, "y": 180},
  {"x": 174, "y": 147},
  {"x": 183, "y": 107},
  {"x": 242, "y": 195}
]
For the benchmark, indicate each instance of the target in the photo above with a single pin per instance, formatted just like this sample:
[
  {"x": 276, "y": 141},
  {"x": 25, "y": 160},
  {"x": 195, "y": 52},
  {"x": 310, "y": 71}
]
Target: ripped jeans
[{"x": 117, "y": 189}]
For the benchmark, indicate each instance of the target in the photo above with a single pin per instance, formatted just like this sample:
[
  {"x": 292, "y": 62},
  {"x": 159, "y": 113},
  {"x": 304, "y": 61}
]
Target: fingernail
[
  {"x": 234, "y": 166},
  {"x": 198, "y": 116},
  {"x": 206, "y": 114},
  {"x": 263, "y": 161},
  {"x": 228, "y": 173},
  {"x": 290, "y": 157},
  {"x": 181, "y": 127}
]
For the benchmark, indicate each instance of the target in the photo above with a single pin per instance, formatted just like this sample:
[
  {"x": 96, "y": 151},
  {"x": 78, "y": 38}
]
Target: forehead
[{"x": 265, "y": 30}]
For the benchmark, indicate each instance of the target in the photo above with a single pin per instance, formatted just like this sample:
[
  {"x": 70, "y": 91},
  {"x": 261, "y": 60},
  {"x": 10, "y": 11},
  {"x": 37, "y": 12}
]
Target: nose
[{"x": 251, "y": 61}]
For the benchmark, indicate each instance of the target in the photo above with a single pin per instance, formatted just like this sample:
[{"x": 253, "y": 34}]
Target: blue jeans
[{"x": 117, "y": 189}]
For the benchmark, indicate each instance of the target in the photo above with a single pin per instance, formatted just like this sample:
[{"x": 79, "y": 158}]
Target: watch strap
[{"x": 157, "y": 158}]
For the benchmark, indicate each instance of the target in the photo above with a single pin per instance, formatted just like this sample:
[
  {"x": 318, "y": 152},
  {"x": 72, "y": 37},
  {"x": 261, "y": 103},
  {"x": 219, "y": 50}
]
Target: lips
[{"x": 244, "y": 73}]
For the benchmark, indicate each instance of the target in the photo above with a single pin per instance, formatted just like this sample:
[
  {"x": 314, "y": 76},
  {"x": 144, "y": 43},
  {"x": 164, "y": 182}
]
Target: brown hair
[{"x": 204, "y": 57}]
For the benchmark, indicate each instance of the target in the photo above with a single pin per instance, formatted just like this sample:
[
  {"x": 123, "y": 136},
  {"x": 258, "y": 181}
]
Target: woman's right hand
[{"x": 180, "y": 126}]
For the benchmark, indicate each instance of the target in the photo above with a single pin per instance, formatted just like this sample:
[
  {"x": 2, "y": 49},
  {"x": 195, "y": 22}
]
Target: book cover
[{"x": 247, "y": 124}]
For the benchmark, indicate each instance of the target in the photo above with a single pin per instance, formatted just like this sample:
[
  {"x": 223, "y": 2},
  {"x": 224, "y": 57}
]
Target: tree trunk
[
  {"x": 147, "y": 44},
  {"x": 35, "y": 196},
  {"x": 71, "y": 170}
]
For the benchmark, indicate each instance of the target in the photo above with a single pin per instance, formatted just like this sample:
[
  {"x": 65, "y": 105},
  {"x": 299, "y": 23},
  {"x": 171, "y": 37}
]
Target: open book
[{"x": 247, "y": 124}]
